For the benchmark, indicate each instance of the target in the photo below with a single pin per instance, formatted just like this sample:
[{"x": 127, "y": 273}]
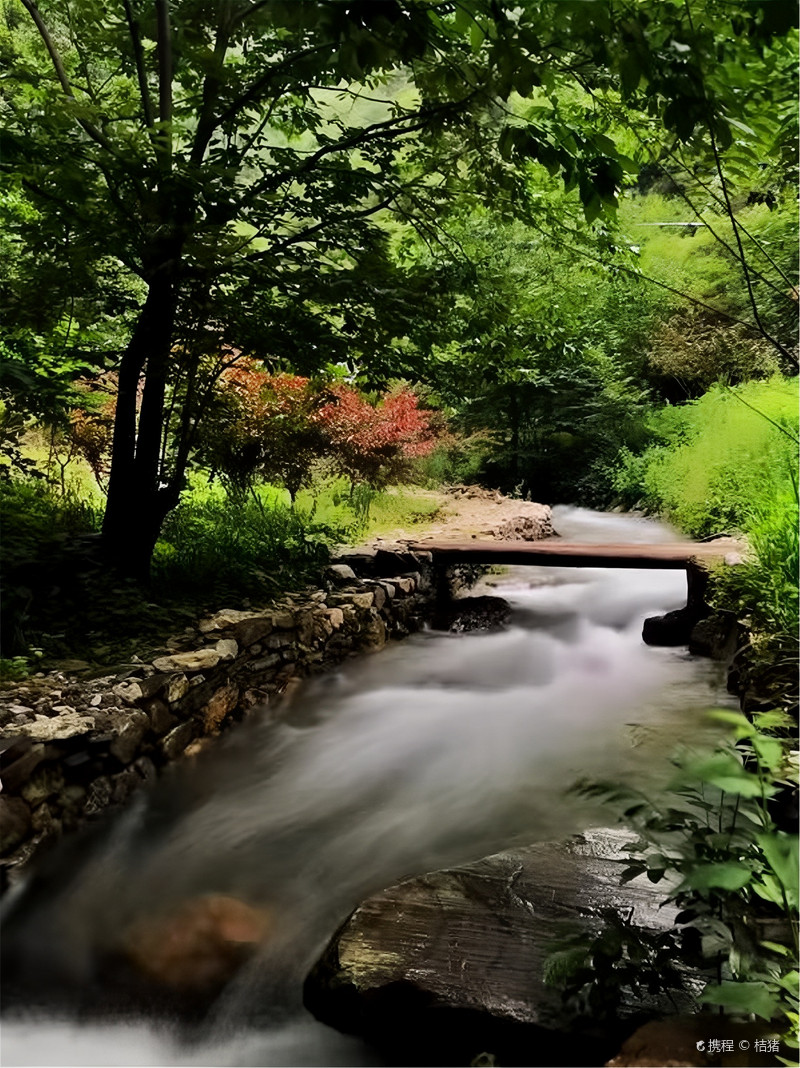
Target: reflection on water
[{"x": 438, "y": 750}]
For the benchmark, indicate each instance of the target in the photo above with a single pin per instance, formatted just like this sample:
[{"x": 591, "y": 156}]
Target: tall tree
[{"x": 230, "y": 153}]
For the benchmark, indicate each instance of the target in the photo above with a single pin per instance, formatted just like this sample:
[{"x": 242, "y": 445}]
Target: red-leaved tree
[
  {"x": 262, "y": 427},
  {"x": 374, "y": 444}
]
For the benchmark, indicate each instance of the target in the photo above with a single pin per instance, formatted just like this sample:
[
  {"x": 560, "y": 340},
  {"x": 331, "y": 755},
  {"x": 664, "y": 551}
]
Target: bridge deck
[{"x": 554, "y": 552}]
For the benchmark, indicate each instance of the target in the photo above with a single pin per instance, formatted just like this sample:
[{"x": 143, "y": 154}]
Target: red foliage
[
  {"x": 374, "y": 444},
  {"x": 280, "y": 426}
]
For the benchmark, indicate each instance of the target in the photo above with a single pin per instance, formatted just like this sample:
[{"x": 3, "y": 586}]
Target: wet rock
[
  {"x": 252, "y": 630},
  {"x": 124, "y": 784},
  {"x": 199, "y": 946},
  {"x": 674, "y": 628},
  {"x": 340, "y": 574},
  {"x": 189, "y": 663},
  {"x": 161, "y": 719},
  {"x": 45, "y": 783},
  {"x": 219, "y": 707},
  {"x": 126, "y": 744},
  {"x": 174, "y": 743},
  {"x": 44, "y": 821},
  {"x": 98, "y": 796},
  {"x": 684, "y": 1041},
  {"x": 15, "y": 822},
  {"x": 485, "y": 613},
  {"x": 471, "y": 942},
  {"x": 718, "y": 636},
  {"x": 227, "y": 648},
  {"x": 65, "y": 725},
  {"x": 20, "y": 770}
]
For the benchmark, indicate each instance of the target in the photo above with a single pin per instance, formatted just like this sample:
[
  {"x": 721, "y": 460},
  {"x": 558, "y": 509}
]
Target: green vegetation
[
  {"x": 259, "y": 261},
  {"x": 719, "y": 836}
]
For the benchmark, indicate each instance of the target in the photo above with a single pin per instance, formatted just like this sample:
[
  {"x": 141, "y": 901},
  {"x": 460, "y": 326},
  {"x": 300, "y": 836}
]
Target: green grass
[
  {"x": 722, "y": 461},
  {"x": 61, "y": 601},
  {"x": 728, "y": 462}
]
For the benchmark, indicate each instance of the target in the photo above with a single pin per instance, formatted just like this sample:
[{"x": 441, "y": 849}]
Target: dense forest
[{"x": 271, "y": 271}]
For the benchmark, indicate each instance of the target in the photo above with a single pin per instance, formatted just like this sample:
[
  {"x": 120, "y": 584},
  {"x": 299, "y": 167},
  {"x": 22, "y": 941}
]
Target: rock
[
  {"x": 190, "y": 663},
  {"x": 15, "y": 822},
  {"x": 335, "y": 617},
  {"x": 98, "y": 796},
  {"x": 379, "y": 597},
  {"x": 146, "y": 768},
  {"x": 677, "y": 1041},
  {"x": 374, "y": 631},
  {"x": 389, "y": 590},
  {"x": 176, "y": 688},
  {"x": 471, "y": 942},
  {"x": 361, "y": 600},
  {"x": 154, "y": 684},
  {"x": 227, "y": 648},
  {"x": 128, "y": 692},
  {"x": 252, "y": 630},
  {"x": 126, "y": 744},
  {"x": 464, "y": 614},
  {"x": 340, "y": 574},
  {"x": 199, "y": 946},
  {"x": 161, "y": 719},
  {"x": 674, "y": 628},
  {"x": 718, "y": 636},
  {"x": 66, "y": 725},
  {"x": 221, "y": 620},
  {"x": 20, "y": 770},
  {"x": 123, "y": 785},
  {"x": 264, "y": 663},
  {"x": 219, "y": 707},
  {"x": 283, "y": 620},
  {"x": 45, "y": 822},
  {"x": 47, "y": 782},
  {"x": 174, "y": 743}
]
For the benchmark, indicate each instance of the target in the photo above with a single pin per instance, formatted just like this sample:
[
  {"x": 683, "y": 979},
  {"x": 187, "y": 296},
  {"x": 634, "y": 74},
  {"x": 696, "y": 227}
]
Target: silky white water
[{"x": 437, "y": 750}]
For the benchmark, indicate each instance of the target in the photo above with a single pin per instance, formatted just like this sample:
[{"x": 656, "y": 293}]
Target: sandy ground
[{"x": 468, "y": 512}]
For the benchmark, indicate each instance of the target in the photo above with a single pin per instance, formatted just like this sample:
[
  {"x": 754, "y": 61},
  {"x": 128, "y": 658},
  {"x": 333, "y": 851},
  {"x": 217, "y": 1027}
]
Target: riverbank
[{"x": 76, "y": 741}]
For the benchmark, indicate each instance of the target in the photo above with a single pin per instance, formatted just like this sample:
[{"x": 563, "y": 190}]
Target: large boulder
[{"x": 458, "y": 956}]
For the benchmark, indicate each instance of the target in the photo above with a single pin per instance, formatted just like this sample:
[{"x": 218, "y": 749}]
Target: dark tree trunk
[{"x": 137, "y": 504}]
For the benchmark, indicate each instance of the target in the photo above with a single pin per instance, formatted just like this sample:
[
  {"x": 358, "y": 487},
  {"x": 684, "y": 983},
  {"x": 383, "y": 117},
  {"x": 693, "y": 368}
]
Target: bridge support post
[{"x": 675, "y": 628}]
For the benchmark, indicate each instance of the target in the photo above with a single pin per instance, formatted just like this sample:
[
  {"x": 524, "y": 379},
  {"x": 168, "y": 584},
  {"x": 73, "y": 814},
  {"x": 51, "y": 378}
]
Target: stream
[{"x": 438, "y": 750}]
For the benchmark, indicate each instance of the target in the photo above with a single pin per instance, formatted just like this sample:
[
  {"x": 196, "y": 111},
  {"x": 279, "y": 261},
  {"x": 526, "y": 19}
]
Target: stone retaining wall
[{"x": 70, "y": 747}]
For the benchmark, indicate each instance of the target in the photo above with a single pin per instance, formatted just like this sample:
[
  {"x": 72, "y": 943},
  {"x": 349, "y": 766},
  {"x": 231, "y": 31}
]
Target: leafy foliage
[{"x": 733, "y": 873}]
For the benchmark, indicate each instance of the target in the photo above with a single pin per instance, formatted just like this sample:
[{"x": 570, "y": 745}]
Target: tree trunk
[{"x": 137, "y": 504}]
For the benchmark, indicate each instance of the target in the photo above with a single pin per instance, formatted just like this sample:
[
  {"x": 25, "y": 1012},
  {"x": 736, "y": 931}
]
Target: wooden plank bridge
[{"x": 555, "y": 552}]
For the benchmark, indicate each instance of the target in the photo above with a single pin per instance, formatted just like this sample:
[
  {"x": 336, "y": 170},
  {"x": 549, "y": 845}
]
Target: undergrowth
[{"x": 719, "y": 837}]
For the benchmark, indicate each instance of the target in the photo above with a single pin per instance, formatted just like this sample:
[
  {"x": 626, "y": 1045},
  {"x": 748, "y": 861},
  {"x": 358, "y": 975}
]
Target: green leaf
[
  {"x": 782, "y": 855},
  {"x": 724, "y": 876},
  {"x": 742, "y": 997}
]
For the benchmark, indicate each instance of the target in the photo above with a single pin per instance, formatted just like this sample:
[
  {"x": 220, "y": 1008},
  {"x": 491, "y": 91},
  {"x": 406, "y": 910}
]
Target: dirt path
[{"x": 473, "y": 512}]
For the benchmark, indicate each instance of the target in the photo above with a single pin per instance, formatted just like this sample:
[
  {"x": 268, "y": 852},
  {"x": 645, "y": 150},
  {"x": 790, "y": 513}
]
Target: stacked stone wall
[{"x": 72, "y": 747}]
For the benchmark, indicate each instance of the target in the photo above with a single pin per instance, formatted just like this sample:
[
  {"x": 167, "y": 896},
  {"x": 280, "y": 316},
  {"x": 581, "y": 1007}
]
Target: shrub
[
  {"x": 723, "y": 459},
  {"x": 255, "y": 548}
]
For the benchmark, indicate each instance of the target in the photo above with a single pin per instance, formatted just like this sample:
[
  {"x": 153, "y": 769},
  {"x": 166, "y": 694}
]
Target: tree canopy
[{"x": 185, "y": 182}]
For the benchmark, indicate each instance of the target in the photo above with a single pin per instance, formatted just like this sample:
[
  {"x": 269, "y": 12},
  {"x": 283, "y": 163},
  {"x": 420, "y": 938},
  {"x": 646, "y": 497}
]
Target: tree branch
[
  {"x": 141, "y": 70},
  {"x": 164, "y": 50},
  {"x": 61, "y": 73}
]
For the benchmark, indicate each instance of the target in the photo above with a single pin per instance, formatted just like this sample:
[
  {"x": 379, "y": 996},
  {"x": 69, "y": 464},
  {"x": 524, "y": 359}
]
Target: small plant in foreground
[{"x": 734, "y": 878}]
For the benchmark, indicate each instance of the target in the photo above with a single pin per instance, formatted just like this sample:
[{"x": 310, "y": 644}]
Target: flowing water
[{"x": 438, "y": 750}]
